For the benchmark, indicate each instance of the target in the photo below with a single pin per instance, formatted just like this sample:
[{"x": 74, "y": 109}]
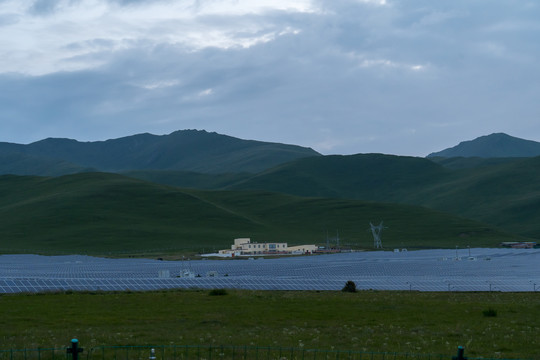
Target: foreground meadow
[{"x": 486, "y": 324}]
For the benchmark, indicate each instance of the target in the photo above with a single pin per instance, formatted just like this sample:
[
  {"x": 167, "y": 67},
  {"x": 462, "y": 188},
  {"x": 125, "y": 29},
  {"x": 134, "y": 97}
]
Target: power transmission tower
[
  {"x": 376, "y": 231},
  {"x": 336, "y": 239}
]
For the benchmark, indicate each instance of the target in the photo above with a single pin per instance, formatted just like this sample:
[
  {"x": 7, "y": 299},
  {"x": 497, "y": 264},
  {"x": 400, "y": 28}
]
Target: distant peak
[
  {"x": 498, "y": 135},
  {"x": 496, "y": 145},
  {"x": 56, "y": 140}
]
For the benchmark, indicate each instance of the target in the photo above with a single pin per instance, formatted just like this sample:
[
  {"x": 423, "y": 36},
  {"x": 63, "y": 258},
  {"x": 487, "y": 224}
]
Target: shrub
[
  {"x": 350, "y": 286},
  {"x": 490, "y": 312},
  {"x": 217, "y": 292}
]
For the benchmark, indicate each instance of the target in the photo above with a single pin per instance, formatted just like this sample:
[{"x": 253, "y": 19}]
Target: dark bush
[
  {"x": 350, "y": 286},
  {"x": 217, "y": 292},
  {"x": 490, "y": 312}
]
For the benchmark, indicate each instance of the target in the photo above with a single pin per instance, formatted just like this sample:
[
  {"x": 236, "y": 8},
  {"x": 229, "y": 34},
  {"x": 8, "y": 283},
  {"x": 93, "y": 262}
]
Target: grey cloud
[
  {"x": 135, "y": 2},
  {"x": 47, "y": 7},
  {"x": 345, "y": 82},
  {"x": 92, "y": 44},
  {"x": 44, "y": 7},
  {"x": 9, "y": 19}
]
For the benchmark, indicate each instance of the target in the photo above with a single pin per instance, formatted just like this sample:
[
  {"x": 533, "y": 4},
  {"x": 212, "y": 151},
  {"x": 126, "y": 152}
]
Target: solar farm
[{"x": 507, "y": 270}]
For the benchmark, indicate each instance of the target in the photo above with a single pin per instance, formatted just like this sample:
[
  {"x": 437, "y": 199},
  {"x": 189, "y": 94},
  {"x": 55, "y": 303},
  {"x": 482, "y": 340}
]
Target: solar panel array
[{"x": 425, "y": 270}]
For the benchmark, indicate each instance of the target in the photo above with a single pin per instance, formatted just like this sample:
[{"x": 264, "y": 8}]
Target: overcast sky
[{"x": 405, "y": 77}]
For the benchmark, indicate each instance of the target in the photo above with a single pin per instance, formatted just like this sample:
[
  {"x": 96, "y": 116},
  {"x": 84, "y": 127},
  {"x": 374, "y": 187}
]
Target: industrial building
[{"x": 244, "y": 246}]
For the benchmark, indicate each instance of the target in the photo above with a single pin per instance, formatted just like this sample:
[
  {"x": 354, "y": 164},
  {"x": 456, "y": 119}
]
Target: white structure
[
  {"x": 244, "y": 246},
  {"x": 186, "y": 274},
  {"x": 164, "y": 274},
  {"x": 303, "y": 249}
]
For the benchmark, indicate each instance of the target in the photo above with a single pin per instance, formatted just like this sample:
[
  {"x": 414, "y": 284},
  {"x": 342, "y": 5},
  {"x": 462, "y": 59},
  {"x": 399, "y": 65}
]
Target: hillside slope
[
  {"x": 373, "y": 177},
  {"x": 188, "y": 150},
  {"x": 456, "y": 163},
  {"x": 497, "y": 145},
  {"x": 97, "y": 213},
  {"x": 100, "y": 213},
  {"x": 504, "y": 194},
  {"x": 23, "y": 164}
]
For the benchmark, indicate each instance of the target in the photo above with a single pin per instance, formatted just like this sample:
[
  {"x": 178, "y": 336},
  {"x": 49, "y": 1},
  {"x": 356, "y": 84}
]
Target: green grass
[
  {"x": 434, "y": 323},
  {"x": 505, "y": 194},
  {"x": 105, "y": 213},
  {"x": 108, "y": 214},
  {"x": 501, "y": 192},
  {"x": 374, "y": 177},
  {"x": 310, "y": 219}
]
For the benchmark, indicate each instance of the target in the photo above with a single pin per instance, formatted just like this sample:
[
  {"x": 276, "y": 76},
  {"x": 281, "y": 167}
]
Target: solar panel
[{"x": 426, "y": 270}]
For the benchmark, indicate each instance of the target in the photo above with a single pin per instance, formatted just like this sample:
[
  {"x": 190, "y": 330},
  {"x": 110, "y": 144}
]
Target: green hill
[
  {"x": 22, "y": 164},
  {"x": 188, "y": 179},
  {"x": 97, "y": 213},
  {"x": 456, "y": 163},
  {"x": 373, "y": 177},
  {"x": 498, "y": 145},
  {"x": 100, "y": 213},
  {"x": 504, "y": 194},
  {"x": 188, "y": 150},
  {"x": 498, "y": 191}
]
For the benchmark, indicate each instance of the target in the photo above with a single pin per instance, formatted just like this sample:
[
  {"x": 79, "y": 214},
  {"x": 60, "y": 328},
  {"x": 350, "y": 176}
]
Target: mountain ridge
[
  {"x": 503, "y": 193},
  {"x": 186, "y": 150},
  {"x": 496, "y": 145}
]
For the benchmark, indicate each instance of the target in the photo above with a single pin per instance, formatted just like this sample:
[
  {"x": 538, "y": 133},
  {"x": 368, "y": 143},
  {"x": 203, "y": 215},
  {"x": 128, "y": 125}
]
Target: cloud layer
[{"x": 341, "y": 76}]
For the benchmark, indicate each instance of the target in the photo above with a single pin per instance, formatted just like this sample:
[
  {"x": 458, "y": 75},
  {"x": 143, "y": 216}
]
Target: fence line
[{"x": 216, "y": 352}]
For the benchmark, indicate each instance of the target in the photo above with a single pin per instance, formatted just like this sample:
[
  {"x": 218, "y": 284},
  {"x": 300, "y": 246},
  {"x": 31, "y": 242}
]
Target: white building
[
  {"x": 303, "y": 249},
  {"x": 244, "y": 246}
]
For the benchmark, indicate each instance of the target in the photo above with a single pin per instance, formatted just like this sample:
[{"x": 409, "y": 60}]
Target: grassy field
[
  {"x": 434, "y": 323},
  {"x": 505, "y": 194},
  {"x": 108, "y": 214}
]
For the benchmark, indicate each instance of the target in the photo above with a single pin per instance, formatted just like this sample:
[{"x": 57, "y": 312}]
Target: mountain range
[
  {"x": 211, "y": 153},
  {"x": 187, "y": 150},
  {"x": 267, "y": 190}
]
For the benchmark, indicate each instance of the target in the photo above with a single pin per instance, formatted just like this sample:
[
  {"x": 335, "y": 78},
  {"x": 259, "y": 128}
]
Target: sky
[{"x": 403, "y": 77}]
